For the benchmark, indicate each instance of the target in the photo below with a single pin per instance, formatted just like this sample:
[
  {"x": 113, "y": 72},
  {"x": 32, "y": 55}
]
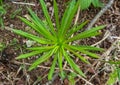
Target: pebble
[
  {"x": 11, "y": 25},
  {"x": 50, "y": 9},
  {"x": 48, "y": 4}
]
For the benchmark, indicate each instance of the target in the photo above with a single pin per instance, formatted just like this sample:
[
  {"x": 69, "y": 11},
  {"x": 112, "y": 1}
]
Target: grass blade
[
  {"x": 75, "y": 29},
  {"x": 44, "y": 31},
  {"x": 112, "y": 62},
  {"x": 73, "y": 11},
  {"x": 40, "y": 26},
  {"x": 85, "y": 47},
  {"x": 33, "y": 37},
  {"x": 41, "y": 48},
  {"x": 56, "y": 14},
  {"x": 60, "y": 59},
  {"x": 93, "y": 55},
  {"x": 68, "y": 16},
  {"x": 78, "y": 55},
  {"x": 44, "y": 8},
  {"x": 118, "y": 73},
  {"x": 43, "y": 58},
  {"x": 52, "y": 68},
  {"x": 40, "y": 60},
  {"x": 86, "y": 34},
  {"x": 32, "y": 25},
  {"x": 65, "y": 17},
  {"x": 112, "y": 78},
  {"x": 27, "y": 55},
  {"x": 34, "y": 16},
  {"x": 72, "y": 64}
]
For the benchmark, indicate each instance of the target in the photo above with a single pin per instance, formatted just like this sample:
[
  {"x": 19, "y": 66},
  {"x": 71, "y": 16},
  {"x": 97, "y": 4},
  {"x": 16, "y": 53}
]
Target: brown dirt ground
[{"x": 14, "y": 72}]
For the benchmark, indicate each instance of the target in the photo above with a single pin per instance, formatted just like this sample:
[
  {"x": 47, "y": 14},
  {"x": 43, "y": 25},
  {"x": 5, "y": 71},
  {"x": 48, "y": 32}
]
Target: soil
[{"x": 14, "y": 72}]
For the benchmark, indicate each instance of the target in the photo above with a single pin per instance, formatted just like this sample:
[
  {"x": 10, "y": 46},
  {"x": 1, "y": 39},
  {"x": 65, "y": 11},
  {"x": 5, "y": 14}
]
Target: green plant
[
  {"x": 2, "y": 12},
  {"x": 84, "y": 4},
  {"x": 54, "y": 41},
  {"x": 1, "y": 46},
  {"x": 115, "y": 74},
  {"x": 71, "y": 78}
]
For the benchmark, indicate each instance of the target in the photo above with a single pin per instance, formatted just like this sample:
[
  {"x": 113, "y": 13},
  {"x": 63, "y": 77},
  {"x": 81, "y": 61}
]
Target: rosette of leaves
[{"x": 55, "y": 41}]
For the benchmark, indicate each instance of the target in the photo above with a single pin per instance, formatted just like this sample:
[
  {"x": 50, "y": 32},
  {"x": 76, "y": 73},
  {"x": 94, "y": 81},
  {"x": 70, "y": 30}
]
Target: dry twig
[
  {"x": 22, "y": 3},
  {"x": 103, "y": 10}
]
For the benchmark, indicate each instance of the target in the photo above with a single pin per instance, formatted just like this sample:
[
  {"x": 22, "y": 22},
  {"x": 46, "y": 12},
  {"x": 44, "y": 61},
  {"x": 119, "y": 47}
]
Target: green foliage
[
  {"x": 1, "y": 46},
  {"x": 2, "y": 13},
  {"x": 71, "y": 78},
  {"x": 112, "y": 78},
  {"x": 84, "y": 4},
  {"x": 115, "y": 75},
  {"x": 55, "y": 40}
]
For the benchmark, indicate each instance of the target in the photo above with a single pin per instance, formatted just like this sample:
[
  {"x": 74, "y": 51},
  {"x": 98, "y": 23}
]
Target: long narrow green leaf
[
  {"x": 40, "y": 60},
  {"x": 41, "y": 48},
  {"x": 43, "y": 58},
  {"x": 44, "y": 31},
  {"x": 34, "y": 16},
  {"x": 76, "y": 67},
  {"x": 72, "y": 64},
  {"x": 64, "y": 18},
  {"x": 52, "y": 68},
  {"x": 36, "y": 28},
  {"x": 112, "y": 62},
  {"x": 93, "y": 55},
  {"x": 82, "y": 36},
  {"x": 85, "y": 47},
  {"x": 78, "y": 55},
  {"x": 40, "y": 25},
  {"x": 86, "y": 34},
  {"x": 56, "y": 14},
  {"x": 44, "y": 8},
  {"x": 60, "y": 59},
  {"x": 76, "y": 28},
  {"x": 67, "y": 17},
  {"x": 112, "y": 78},
  {"x": 118, "y": 72},
  {"x": 30, "y": 36},
  {"x": 27, "y": 22},
  {"x": 73, "y": 11},
  {"x": 27, "y": 55}
]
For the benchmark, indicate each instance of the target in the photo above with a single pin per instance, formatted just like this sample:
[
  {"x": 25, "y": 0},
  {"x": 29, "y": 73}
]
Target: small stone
[
  {"x": 50, "y": 8},
  {"x": 11, "y": 25},
  {"x": 48, "y": 4}
]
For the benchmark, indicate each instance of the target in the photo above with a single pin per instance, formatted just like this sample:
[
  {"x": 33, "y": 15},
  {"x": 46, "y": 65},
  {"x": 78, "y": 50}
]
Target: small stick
[
  {"x": 77, "y": 16},
  {"x": 103, "y": 10},
  {"x": 107, "y": 34},
  {"x": 23, "y": 3}
]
